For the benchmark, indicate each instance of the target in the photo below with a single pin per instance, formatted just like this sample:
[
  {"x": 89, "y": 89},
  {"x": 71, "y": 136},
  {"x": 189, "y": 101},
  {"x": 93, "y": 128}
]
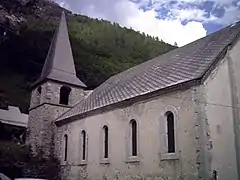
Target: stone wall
[
  {"x": 44, "y": 110},
  {"x": 41, "y": 127},
  {"x": 152, "y": 161},
  {"x": 50, "y": 93}
]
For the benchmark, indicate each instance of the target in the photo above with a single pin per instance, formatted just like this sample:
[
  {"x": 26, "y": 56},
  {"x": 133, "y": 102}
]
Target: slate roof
[
  {"x": 59, "y": 64},
  {"x": 177, "y": 66}
]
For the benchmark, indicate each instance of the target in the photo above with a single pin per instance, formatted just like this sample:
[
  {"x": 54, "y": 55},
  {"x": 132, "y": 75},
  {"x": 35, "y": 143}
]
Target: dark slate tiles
[
  {"x": 180, "y": 65},
  {"x": 59, "y": 64}
]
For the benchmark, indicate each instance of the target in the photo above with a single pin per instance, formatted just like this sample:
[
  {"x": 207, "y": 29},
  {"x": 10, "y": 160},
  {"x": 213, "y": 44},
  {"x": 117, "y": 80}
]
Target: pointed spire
[{"x": 59, "y": 64}]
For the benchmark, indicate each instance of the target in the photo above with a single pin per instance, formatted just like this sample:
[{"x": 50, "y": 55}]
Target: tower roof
[{"x": 59, "y": 64}]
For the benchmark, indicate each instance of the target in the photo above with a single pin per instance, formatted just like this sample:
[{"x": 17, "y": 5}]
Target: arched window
[
  {"x": 170, "y": 132},
  {"x": 105, "y": 129},
  {"x": 64, "y": 95},
  {"x": 65, "y": 147},
  {"x": 133, "y": 124},
  {"x": 83, "y": 139}
]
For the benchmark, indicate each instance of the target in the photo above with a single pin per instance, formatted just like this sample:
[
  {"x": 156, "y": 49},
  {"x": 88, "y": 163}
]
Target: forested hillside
[{"x": 100, "y": 48}]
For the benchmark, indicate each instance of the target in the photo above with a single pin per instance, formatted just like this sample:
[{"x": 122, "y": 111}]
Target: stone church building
[{"x": 173, "y": 117}]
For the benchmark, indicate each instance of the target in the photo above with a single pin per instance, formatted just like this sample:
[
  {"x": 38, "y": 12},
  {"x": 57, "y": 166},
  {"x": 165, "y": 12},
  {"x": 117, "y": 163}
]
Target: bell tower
[{"x": 57, "y": 90}]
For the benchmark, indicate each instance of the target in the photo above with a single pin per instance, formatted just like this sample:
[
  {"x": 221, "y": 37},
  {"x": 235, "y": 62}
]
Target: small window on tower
[{"x": 64, "y": 95}]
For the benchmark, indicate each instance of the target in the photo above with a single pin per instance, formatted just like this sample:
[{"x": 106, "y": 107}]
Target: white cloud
[
  {"x": 238, "y": 3},
  {"x": 219, "y": 2},
  {"x": 192, "y": 14},
  {"x": 232, "y": 15},
  {"x": 128, "y": 13},
  {"x": 63, "y": 4},
  {"x": 169, "y": 30}
]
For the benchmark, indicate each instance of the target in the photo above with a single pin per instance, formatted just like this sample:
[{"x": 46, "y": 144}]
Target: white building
[
  {"x": 173, "y": 117},
  {"x": 13, "y": 124}
]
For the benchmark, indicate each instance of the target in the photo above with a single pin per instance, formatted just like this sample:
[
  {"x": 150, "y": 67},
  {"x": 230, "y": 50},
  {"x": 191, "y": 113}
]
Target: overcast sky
[{"x": 182, "y": 21}]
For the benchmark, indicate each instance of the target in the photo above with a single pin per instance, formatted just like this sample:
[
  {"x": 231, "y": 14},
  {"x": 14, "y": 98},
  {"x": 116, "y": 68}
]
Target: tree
[
  {"x": 18, "y": 161},
  {"x": 100, "y": 49},
  {"x": 31, "y": 5},
  {"x": 175, "y": 44}
]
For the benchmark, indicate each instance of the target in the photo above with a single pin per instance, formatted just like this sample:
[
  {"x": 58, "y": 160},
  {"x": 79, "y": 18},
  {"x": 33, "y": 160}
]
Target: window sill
[
  {"x": 169, "y": 156},
  {"x": 83, "y": 163},
  {"x": 104, "y": 161},
  {"x": 133, "y": 159},
  {"x": 64, "y": 163}
]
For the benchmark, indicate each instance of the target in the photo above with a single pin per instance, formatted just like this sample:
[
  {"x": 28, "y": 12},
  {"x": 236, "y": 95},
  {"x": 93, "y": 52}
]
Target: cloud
[
  {"x": 169, "y": 30},
  {"x": 192, "y": 14},
  {"x": 128, "y": 13},
  {"x": 232, "y": 15},
  {"x": 222, "y": 11},
  {"x": 162, "y": 18}
]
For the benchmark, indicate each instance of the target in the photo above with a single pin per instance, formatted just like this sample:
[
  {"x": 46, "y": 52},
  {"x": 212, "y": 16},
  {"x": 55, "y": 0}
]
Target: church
[{"x": 173, "y": 117}]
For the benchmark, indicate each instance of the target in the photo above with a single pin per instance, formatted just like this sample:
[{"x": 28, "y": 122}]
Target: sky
[{"x": 180, "y": 21}]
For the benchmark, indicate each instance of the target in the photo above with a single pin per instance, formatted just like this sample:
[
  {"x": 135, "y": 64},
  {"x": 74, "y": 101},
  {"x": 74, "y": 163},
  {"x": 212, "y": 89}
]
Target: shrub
[{"x": 18, "y": 161}]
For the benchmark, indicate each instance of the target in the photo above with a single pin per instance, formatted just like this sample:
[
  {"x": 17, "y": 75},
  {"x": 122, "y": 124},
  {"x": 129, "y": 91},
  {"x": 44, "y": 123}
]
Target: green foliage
[
  {"x": 16, "y": 161},
  {"x": 100, "y": 48},
  {"x": 41, "y": 167},
  {"x": 12, "y": 153}
]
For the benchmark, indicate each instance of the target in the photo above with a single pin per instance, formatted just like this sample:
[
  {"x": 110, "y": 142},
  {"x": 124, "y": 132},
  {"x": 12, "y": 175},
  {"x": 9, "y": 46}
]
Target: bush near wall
[{"x": 16, "y": 161}]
